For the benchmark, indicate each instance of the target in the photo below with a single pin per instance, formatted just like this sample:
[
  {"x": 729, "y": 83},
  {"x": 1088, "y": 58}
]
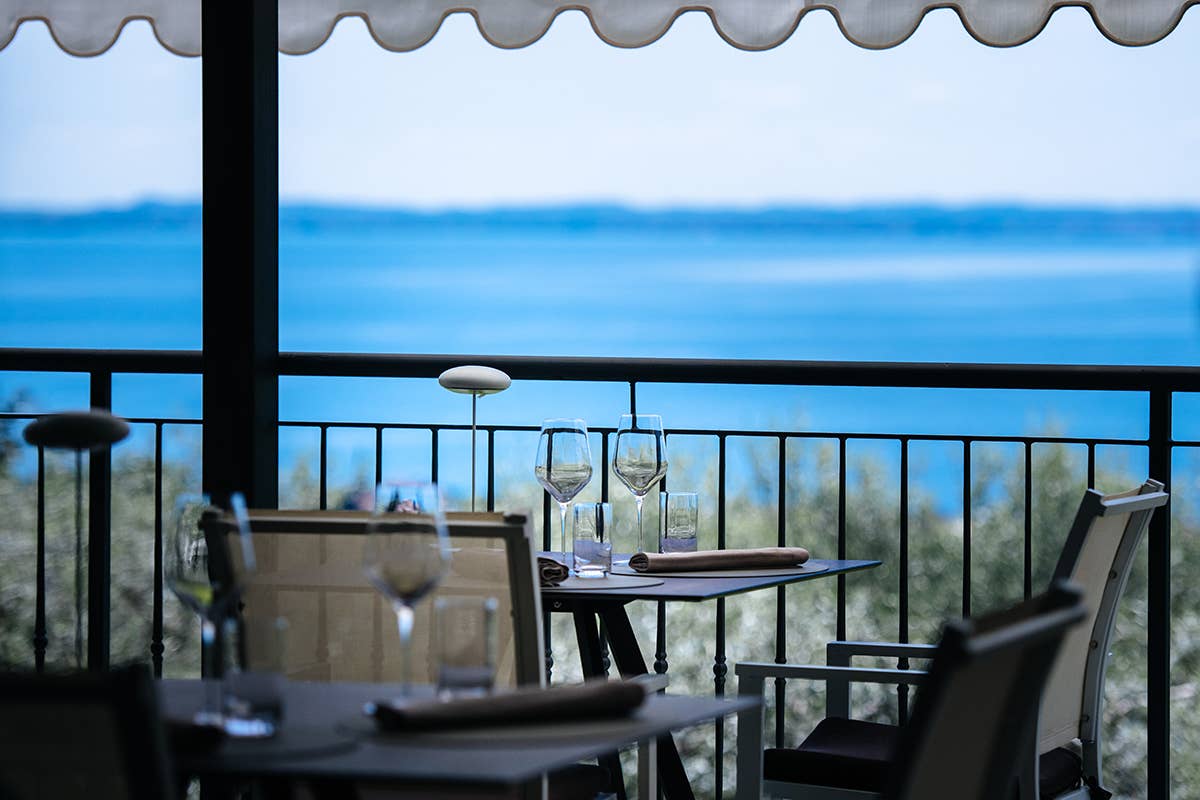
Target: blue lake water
[{"x": 990, "y": 284}]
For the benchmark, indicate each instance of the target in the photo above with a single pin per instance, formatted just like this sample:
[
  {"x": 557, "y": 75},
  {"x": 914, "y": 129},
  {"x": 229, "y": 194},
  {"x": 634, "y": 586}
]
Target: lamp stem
[{"x": 474, "y": 400}]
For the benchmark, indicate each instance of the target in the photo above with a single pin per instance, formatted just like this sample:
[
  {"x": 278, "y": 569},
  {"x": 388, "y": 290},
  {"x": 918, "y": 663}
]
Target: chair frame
[
  {"x": 839, "y": 674},
  {"x": 514, "y": 528},
  {"x": 131, "y": 694}
]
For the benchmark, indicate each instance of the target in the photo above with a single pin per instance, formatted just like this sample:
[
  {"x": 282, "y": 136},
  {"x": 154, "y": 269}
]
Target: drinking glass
[
  {"x": 564, "y": 463},
  {"x": 465, "y": 628},
  {"x": 407, "y": 553},
  {"x": 593, "y": 546},
  {"x": 677, "y": 520},
  {"x": 206, "y": 582},
  {"x": 640, "y": 458}
]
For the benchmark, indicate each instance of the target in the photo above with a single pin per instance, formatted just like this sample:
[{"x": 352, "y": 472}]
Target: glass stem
[
  {"x": 562, "y": 513},
  {"x": 641, "y": 544},
  {"x": 212, "y": 681},
  {"x": 404, "y": 622}
]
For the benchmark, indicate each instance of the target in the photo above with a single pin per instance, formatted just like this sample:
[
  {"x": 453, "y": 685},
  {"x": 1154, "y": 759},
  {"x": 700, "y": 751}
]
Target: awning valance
[{"x": 89, "y": 27}]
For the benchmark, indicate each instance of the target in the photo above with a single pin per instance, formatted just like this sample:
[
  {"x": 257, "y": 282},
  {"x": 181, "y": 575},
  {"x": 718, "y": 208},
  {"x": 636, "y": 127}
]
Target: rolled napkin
[
  {"x": 551, "y": 572},
  {"x": 593, "y": 700},
  {"x": 759, "y": 558}
]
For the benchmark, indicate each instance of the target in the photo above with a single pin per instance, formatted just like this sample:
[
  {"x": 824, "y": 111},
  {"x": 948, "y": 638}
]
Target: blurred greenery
[{"x": 935, "y": 574}]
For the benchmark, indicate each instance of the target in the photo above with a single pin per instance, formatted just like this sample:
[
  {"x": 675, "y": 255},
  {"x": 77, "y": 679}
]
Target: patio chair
[
  {"x": 1098, "y": 555},
  {"x": 83, "y": 735},
  {"x": 309, "y": 573}
]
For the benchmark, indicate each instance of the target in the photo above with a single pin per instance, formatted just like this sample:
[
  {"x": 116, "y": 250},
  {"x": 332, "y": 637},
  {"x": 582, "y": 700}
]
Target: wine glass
[
  {"x": 208, "y": 560},
  {"x": 407, "y": 554},
  {"x": 640, "y": 458},
  {"x": 564, "y": 463}
]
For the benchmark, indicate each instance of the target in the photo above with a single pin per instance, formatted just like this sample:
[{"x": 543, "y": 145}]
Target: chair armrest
[
  {"x": 750, "y": 678},
  {"x": 760, "y": 670},
  {"x": 839, "y": 652}
]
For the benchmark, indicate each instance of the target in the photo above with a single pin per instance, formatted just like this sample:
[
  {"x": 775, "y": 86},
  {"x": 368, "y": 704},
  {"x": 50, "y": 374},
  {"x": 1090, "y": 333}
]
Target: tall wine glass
[
  {"x": 564, "y": 463},
  {"x": 208, "y": 559},
  {"x": 640, "y": 458},
  {"x": 407, "y": 554}
]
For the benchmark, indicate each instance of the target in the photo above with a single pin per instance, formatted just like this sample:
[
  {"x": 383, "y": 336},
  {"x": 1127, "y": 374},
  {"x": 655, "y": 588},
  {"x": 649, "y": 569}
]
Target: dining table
[
  {"x": 326, "y": 740},
  {"x": 604, "y": 601}
]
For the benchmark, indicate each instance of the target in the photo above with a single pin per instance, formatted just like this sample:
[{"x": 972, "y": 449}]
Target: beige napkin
[
  {"x": 551, "y": 572},
  {"x": 593, "y": 700},
  {"x": 760, "y": 558}
]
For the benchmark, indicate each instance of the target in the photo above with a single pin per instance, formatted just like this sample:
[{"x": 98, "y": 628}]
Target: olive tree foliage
[{"x": 132, "y": 556}]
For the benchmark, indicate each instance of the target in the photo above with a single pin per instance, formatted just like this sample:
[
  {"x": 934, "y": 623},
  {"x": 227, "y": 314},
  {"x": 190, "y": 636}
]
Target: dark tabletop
[
  {"x": 681, "y": 587},
  {"x": 331, "y": 738}
]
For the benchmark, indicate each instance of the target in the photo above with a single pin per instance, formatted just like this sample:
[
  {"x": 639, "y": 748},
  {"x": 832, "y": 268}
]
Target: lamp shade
[
  {"x": 475, "y": 380},
  {"x": 77, "y": 430}
]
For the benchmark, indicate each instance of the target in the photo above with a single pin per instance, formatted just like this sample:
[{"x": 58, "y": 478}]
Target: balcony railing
[{"x": 1158, "y": 384}]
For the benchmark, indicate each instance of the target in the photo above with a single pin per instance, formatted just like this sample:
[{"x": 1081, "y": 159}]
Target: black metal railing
[{"x": 1158, "y": 384}]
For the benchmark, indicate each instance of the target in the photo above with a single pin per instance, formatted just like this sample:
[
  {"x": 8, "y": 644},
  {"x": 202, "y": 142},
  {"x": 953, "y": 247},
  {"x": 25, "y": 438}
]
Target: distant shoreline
[{"x": 1178, "y": 224}]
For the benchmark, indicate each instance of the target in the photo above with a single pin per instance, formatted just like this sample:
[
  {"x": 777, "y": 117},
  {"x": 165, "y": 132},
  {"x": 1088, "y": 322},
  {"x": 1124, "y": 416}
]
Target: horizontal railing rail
[{"x": 1159, "y": 384}]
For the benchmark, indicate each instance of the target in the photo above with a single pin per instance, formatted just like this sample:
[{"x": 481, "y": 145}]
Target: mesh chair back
[
  {"x": 339, "y": 628},
  {"x": 88, "y": 735},
  {"x": 967, "y": 732},
  {"x": 1097, "y": 557}
]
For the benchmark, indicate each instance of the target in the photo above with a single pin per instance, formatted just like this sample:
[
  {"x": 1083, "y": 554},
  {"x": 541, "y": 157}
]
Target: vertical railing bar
[
  {"x": 1028, "y": 567},
  {"x": 660, "y": 613},
  {"x": 719, "y": 667},
  {"x": 156, "y": 633},
  {"x": 99, "y": 536},
  {"x": 433, "y": 453},
  {"x": 1158, "y": 617},
  {"x": 491, "y": 469},
  {"x": 633, "y": 397},
  {"x": 603, "y": 469},
  {"x": 966, "y": 520},
  {"x": 781, "y": 595},
  {"x": 546, "y": 614},
  {"x": 378, "y": 454},
  {"x": 1091, "y": 465},
  {"x": 40, "y": 639},
  {"x": 323, "y": 463},
  {"x": 841, "y": 542},
  {"x": 903, "y": 632}
]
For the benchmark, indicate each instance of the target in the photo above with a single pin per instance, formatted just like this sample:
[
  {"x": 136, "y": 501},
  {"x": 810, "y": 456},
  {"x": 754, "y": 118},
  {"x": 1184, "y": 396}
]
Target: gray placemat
[
  {"x": 625, "y": 580},
  {"x": 492, "y": 735},
  {"x": 811, "y": 568}
]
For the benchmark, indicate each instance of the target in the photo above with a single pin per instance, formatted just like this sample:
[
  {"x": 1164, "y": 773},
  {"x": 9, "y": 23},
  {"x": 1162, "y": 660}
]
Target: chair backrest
[
  {"x": 1097, "y": 556},
  {"x": 972, "y": 718},
  {"x": 310, "y": 573},
  {"x": 84, "y": 735}
]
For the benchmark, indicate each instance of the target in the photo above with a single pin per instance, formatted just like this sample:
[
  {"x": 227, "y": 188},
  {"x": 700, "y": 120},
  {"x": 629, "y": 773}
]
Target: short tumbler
[
  {"x": 465, "y": 627},
  {"x": 677, "y": 521},
  {"x": 593, "y": 547}
]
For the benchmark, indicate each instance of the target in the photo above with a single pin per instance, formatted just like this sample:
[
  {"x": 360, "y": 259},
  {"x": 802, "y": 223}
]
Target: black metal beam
[
  {"x": 1158, "y": 617},
  {"x": 802, "y": 373},
  {"x": 241, "y": 248},
  {"x": 99, "y": 540}
]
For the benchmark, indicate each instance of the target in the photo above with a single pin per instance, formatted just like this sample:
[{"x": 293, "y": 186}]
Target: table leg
[
  {"x": 629, "y": 661},
  {"x": 593, "y": 668}
]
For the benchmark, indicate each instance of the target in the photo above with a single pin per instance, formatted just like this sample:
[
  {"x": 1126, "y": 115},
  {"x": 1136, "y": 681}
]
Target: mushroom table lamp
[
  {"x": 78, "y": 431},
  {"x": 475, "y": 381}
]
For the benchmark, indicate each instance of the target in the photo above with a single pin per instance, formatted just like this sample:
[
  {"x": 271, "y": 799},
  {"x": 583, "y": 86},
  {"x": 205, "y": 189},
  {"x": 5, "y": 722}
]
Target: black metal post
[
  {"x": 99, "y": 541},
  {"x": 1158, "y": 623},
  {"x": 241, "y": 249}
]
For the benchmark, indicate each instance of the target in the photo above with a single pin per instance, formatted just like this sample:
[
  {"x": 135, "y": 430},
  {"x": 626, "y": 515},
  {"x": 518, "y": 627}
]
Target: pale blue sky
[{"x": 1069, "y": 117}]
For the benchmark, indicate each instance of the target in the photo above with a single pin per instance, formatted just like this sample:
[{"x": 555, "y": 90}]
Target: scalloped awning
[{"x": 89, "y": 27}]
